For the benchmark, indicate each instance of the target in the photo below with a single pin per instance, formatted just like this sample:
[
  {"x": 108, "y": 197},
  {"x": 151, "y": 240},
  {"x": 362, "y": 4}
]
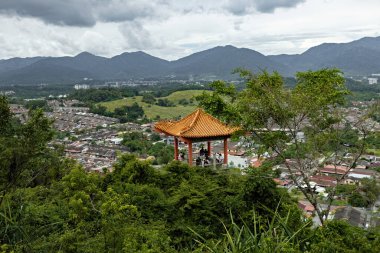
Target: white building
[
  {"x": 81, "y": 86},
  {"x": 116, "y": 141},
  {"x": 372, "y": 80}
]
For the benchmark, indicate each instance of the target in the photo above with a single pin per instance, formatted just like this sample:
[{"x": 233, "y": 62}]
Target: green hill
[{"x": 151, "y": 111}]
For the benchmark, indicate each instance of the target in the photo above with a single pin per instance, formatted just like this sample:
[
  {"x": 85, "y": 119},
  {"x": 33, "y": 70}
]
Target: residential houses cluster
[
  {"x": 356, "y": 116},
  {"x": 77, "y": 121},
  {"x": 97, "y": 149},
  {"x": 71, "y": 118},
  {"x": 19, "y": 112}
]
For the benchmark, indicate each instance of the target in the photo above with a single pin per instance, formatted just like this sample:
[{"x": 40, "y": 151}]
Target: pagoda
[{"x": 198, "y": 126}]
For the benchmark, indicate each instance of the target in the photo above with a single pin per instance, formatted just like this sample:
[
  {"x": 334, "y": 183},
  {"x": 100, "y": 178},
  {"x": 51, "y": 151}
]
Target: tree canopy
[{"x": 273, "y": 116}]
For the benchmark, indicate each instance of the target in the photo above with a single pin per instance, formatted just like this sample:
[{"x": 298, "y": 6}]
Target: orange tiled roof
[{"x": 198, "y": 124}]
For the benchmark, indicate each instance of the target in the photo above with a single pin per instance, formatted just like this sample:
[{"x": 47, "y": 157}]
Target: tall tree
[
  {"x": 277, "y": 118},
  {"x": 5, "y": 116},
  {"x": 25, "y": 158}
]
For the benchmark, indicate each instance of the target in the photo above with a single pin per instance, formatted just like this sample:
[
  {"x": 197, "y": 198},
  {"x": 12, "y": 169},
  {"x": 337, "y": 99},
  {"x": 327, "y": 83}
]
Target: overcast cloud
[
  {"x": 68, "y": 12},
  {"x": 242, "y": 7},
  {"x": 171, "y": 29}
]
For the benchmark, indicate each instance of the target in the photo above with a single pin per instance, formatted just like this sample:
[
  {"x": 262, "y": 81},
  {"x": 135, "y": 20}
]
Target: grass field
[
  {"x": 151, "y": 111},
  {"x": 374, "y": 151}
]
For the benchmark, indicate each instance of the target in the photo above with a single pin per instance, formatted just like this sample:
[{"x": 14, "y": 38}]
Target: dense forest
[{"x": 50, "y": 204}]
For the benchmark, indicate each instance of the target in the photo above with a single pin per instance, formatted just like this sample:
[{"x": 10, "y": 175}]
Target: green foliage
[
  {"x": 36, "y": 91},
  {"x": 274, "y": 115},
  {"x": 25, "y": 160},
  {"x": 154, "y": 136},
  {"x": 373, "y": 140},
  {"x": 148, "y": 98},
  {"x": 165, "y": 102},
  {"x": 345, "y": 189},
  {"x": 150, "y": 239},
  {"x": 49, "y": 204},
  {"x": 219, "y": 102},
  {"x": 271, "y": 235},
  {"x": 124, "y": 114},
  {"x": 101, "y": 95},
  {"x": 370, "y": 188},
  {"x": 140, "y": 209},
  {"x": 339, "y": 236},
  {"x": 99, "y": 109},
  {"x": 184, "y": 101},
  {"x": 312, "y": 84},
  {"x": 265, "y": 101},
  {"x": 37, "y": 104},
  {"x": 362, "y": 91},
  {"x": 140, "y": 144},
  {"x": 362, "y": 195},
  {"x": 162, "y": 152},
  {"x": 5, "y": 116},
  {"x": 259, "y": 183},
  {"x": 358, "y": 199},
  {"x": 152, "y": 110},
  {"x": 195, "y": 198},
  {"x": 129, "y": 113},
  {"x": 136, "y": 142}
]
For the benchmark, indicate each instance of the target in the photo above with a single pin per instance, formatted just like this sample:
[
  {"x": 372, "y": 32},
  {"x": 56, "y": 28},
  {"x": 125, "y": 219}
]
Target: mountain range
[{"x": 359, "y": 57}]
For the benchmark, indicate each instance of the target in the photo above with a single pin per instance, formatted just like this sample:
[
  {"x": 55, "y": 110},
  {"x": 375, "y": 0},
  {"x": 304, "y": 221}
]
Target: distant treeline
[
  {"x": 125, "y": 113},
  {"x": 101, "y": 95},
  {"x": 37, "y": 91},
  {"x": 107, "y": 94},
  {"x": 361, "y": 91}
]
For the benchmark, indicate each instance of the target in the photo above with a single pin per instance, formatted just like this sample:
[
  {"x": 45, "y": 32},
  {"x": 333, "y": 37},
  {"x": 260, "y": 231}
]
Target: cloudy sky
[{"x": 171, "y": 29}]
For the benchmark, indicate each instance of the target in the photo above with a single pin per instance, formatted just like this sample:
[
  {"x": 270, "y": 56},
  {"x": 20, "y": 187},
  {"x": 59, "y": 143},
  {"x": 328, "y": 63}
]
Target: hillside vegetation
[
  {"x": 49, "y": 203},
  {"x": 164, "y": 112}
]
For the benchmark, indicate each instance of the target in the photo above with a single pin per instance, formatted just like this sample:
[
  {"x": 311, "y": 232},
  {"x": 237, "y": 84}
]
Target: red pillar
[
  {"x": 225, "y": 151},
  {"x": 209, "y": 148},
  {"x": 190, "y": 153},
  {"x": 175, "y": 148}
]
